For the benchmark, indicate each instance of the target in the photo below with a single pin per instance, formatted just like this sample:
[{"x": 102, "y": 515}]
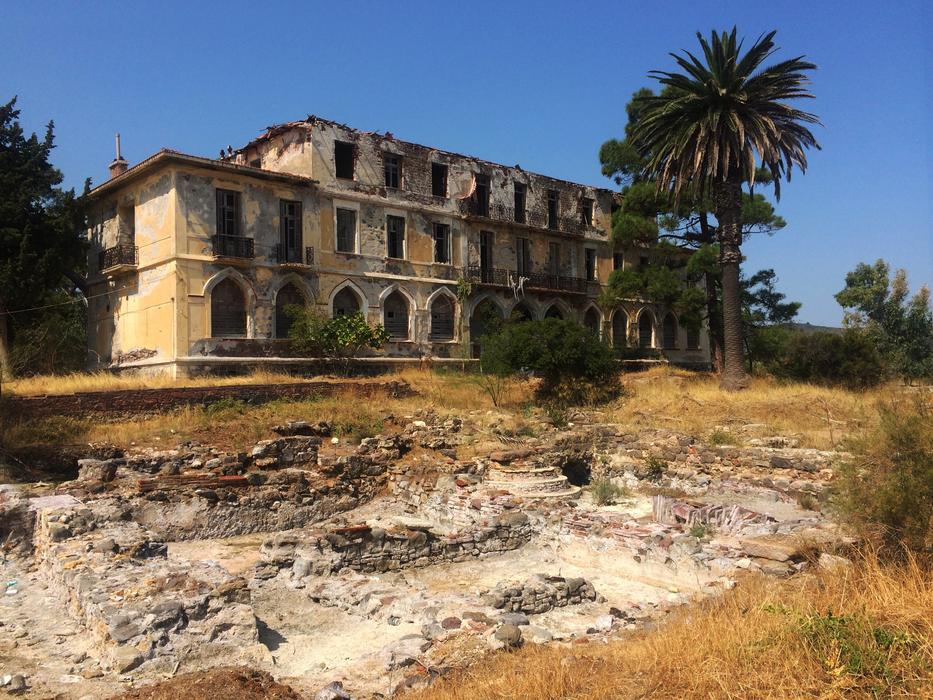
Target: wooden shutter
[
  {"x": 228, "y": 311},
  {"x": 442, "y": 319}
]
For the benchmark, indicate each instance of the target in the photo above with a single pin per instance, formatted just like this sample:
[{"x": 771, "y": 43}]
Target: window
[
  {"x": 553, "y": 208},
  {"x": 442, "y": 243},
  {"x": 395, "y": 316},
  {"x": 591, "y": 321},
  {"x": 642, "y": 261},
  {"x": 645, "y": 331},
  {"x": 393, "y": 169},
  {"x": 289, "y": 231},
  {"x": 287, "y": 297},
  {"x": 589, "y": 259},
  {"x": 486, "y": 247},
  {"x": 553, "y": 312},
  {"x": 693, "y": 339},
  {"x": 553, "y": 259},
  {"x": 481, "y": 196},
  {"x": 346, "y": 303},
  {"x": 523, "y": 256},
  {"x": 228, "y": 310},
  {"x": 619, "y": 325},
  {"x": 442, "y": 318},
  {"x": 228, "y": 213},
  {"x": 344, "y": 155},
  {"x": 520, "y": 192},
  {"x": 346, "y": 230},
  {"x": 438, "y": 179},
  {"x": 669, "y": 332},
  {"x": 618, "y": 261},
  {"x": 586, "y": 211},
  {"x": 395, "y": 237}
]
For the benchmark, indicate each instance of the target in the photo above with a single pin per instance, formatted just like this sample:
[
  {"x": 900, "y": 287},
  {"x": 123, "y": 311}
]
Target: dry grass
[{"x": 864, "y": 632}]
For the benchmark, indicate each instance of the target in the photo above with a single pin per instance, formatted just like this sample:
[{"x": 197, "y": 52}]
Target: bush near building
[{"x": 847, "y": 359}]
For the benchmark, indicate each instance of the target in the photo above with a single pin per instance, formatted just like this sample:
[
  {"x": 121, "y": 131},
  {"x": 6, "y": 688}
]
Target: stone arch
[
  {"x": 619, "y": 328},
  {"x": 230, "y": 311},
  {"x": 442, "y": 307},
  {"x": 558, "y": 309},
  {"x": 287, "y": 295},
  {"x": 397, "y": 314},
  {"x": 645, "y": 327},
  {"x": 486, "y": 316},
  {"x": 347, "y": 298},
  {"x": 593, "y": 320},
  {"x": 522, "y": 310},
  {"x": 669, "y": 331}
]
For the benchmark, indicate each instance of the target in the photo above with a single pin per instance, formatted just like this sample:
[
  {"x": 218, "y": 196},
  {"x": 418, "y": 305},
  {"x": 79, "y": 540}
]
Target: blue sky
[{"x": 540, "y": 84}]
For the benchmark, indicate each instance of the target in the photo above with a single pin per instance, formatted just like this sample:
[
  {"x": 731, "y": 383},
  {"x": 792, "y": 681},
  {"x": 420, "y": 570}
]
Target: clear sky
[{"x": 540, "y": 84}]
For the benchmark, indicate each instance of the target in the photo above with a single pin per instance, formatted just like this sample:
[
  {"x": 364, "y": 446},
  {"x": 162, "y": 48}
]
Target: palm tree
[{"x": 710, "y": 130}]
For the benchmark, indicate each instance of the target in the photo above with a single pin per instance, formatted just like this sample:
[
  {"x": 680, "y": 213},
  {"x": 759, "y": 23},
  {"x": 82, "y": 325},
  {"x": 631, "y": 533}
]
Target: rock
[
  {"x": 537, "y": 635},
  {"x": 105, "y": 546},
  {"x": 17, "y": 683},
  {"x": 831, "y": 561},
  {"x": 507, "y": 456},
  {"x": 604, "y": 623},
  {"x": 333, "y": 691},
  {"x": 513, "y": 619},
  {"x": 775, "y": 549},
  {"x": 450, "y": 623},
  {"x": 510, "y": 635}
]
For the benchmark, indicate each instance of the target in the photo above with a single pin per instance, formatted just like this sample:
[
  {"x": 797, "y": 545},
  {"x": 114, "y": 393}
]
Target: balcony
[
  {"x": 118, "y": 259},
  {"x": 232, "y": 247},
  {"x": 293, "y": 257},
  {"x": 536, "y": 217},
  {"x": 497, "y": 277}
]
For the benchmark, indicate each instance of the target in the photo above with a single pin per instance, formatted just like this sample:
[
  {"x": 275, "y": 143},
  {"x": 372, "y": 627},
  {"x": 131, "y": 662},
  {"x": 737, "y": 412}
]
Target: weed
[
  {"x": 723, "y": 437},
  {"x": 225, "y": 408},
  {"x": 702, "y": 530},
  {"x": 655, "y": 468},
  {"x": 807, "y": 501},
  {"x": 606, "y": 492}
]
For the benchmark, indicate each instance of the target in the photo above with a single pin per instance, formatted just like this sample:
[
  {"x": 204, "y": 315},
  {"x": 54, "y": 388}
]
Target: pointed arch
[
  {"x": 486, "y": 317},
  {"x": 557, "y": 308},
  {"x": 442, "y": 306},
  {"x": 524, "y": 310},
  {"x": 231, "y": 305},
  {"x": 287, "y": 296},
  {"x": 593, "y": 320},
  {"x": 619, "y": 328},
  {"x": 347, "y": 298},
  {"x": 669, "y": 331},
  {"x": 645, "y": 324},
  {"x": 397, "y": 314}
]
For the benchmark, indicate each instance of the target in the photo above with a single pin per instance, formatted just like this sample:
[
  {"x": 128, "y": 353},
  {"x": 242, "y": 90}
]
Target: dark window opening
[
  {"x": 228, "y": 310},
  {"x": 344, "y": 156},
  {"x": 395, "y": 236},
  {"x": 553, "y": 312},
  {"x": 442, "y": 243},
  {"x": 228, "y": 213},
  {"x": 346, "y": 303},
  {"x": 442, "y": 319},
  {"x": 438, "y": 179},
  {"x": 523, "y": 256},
  {"x": 642, "y": 261},
  {"x": 591, "y": 321},
  {"x": 553, "y": 208},
  {"x": 645, "y": 331},
  {"x": 290, "y": 230},
  {"x": 693, "y": 339},
  {"x": 255, "y": 163},
  {"x": 481, "y": 195},
  {"x": 618, "y": 260},
  {"x": 393, "y": 170},
  {"x": 590, "y": 260},
  {"x": 287, "y": 298},
  {"x": 586, "y": 211},
  {"x": 619, "y": 326},
  {"x": 669, "y": 332},
  {"x": 346, "y": 231},
  {"x": 486, "y": 246},
  {"x": 395, "y": 316},
  {"x": 553, "y": 259},
  {"x": 520, "y": 192}
]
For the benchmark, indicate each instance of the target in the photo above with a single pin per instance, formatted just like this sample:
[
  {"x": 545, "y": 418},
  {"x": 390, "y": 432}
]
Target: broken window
[
  {"x": 520, "y": 191},
  {"x": 344, "y": 155},
  {"x": 618, "y": 261},
  {"x": 289, "y": 296},
  {"x": 553, "y": 208},
  {"x": 228, "y": 213},
  {"x": 669, "y": 332},
  {"x": 442, "y": 243},
  {"x": 395, "y": 316},
  {"x": 289, "y": 231},
  {"x": 586, "y": 211},
  {"x": 395, "y": 236},
  {"x": 346, "y": 303},
  {"x": 228, "y": 310},
  {"x": 481, "y": 196},
  {"x": 438, "y": 179},
  {"x": 346, "y": 230},
  {"x": 393, "y": 170},
  {"x": 523, "y": 256},
  {"x": 590, "y": 261},
  {"x": 442, "y": 318}
]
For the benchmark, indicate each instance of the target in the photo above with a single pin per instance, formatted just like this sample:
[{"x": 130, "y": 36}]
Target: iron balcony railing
[
  {"x": 532, "y": 216},
  {"x": 118, "y": 255},
  {"x": 533, "y": 280},
  {"x": 232, "y": 246},
  {"x": 293, "y": 256}
]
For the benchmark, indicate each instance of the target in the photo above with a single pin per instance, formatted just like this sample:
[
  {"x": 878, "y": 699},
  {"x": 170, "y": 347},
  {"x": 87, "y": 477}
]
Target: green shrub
[
  {"x": 723, "y": 437},
  {"x": 574, "y": 366},
  {"x": 702, "y": 530},
  {"x": 606, "y": 492},
  {"x": 313, "y": 333},
  {"x": 655, "y": 468},
  {"x": 847, "y": 359},
  {"x": 886, "y": 489}
]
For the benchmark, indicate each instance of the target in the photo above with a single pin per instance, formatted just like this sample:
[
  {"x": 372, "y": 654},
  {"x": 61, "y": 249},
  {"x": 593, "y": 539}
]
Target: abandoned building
[{"x": 193, "y": 261}]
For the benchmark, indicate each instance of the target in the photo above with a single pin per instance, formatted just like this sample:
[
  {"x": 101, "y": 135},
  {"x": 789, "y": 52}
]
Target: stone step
[
  {"x": 530, "y": 486},
  {"x": 499, "y": 474}
]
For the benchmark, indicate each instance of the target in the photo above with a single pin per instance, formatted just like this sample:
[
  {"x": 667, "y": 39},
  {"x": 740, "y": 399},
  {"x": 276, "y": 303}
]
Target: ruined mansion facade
[{"x": 193, "y": 261}]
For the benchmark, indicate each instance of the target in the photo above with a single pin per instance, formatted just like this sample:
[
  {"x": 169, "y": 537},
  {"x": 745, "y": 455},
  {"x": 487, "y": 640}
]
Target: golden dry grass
[{"x": 863, "y": 632}]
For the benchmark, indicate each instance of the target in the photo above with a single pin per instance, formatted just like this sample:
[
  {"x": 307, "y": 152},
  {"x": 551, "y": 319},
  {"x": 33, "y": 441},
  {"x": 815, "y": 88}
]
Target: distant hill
[{"x": 810, "y": 328}]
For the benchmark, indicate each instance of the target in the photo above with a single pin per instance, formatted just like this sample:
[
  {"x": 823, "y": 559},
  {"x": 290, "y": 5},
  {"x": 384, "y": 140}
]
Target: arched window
[
  {"x": 395, "y": 316},
  {"x": 521, "y": 313},
  {"x": 287, "y": 296},
  {"x": 486, "y": 319},
  {"x": 228, "y": 310},
  {"x": 442, "y": 318},
  {"x": 644, "y": 330},
  {"x": 669, "y": 328},
  {"x": 591, "y": 321},
  {"x": 693, "y": 339},
  {"x": 346, "y": 303},
  {"x": 619, "y": 329},
  {"x": 553, "y": 312}
]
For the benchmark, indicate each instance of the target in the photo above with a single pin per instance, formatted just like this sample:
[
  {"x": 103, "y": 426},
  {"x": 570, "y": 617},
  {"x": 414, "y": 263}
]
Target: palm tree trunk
[{"x": 727, "y": 202}]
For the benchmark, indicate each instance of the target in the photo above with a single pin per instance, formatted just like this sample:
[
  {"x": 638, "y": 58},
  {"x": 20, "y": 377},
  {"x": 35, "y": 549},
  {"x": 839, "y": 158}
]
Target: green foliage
[
  {"x": 225, "y": 408},
  {"x": 900, "y": 325},
  {"x": 606, "y": 492},
  {"x": 655, "y": 468},
  {"x": 886, "y": 489},
  {"x": 312, "y": 333},
  {"x": 464, "y": 288},
  {"x": 50, "y": 341},
  {"x": 723, "y": 437},
  {"x": 701, "y": 530},
  {"x": 848, "y": 359},
  {"x": 763, "y": 312},
  {"x": 574, "y": 366}
]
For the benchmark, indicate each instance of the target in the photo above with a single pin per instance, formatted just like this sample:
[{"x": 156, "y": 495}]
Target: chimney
[{"x": 119, "y": 164}]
